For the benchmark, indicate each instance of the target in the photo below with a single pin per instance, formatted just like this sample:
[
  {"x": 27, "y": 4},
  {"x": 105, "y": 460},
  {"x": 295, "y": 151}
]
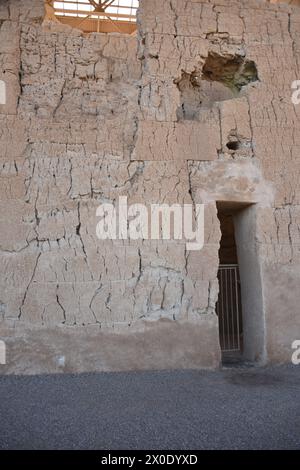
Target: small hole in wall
[{"x": 233, "y": 145}]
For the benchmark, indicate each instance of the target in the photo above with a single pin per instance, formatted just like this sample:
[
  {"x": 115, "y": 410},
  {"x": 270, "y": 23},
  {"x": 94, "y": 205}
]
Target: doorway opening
[{"x": 240, "y": 303}]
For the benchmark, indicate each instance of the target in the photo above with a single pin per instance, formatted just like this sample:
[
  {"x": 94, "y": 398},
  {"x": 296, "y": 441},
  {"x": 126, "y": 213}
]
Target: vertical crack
[{"x": 28, "y": 286}]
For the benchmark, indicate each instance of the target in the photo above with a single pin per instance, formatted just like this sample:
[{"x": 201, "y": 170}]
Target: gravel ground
[{"x": 239, "y": 408}]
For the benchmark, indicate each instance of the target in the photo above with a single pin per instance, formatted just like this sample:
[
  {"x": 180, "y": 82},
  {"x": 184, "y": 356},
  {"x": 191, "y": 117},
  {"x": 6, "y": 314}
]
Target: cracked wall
[{"x": 90, "y": 118}]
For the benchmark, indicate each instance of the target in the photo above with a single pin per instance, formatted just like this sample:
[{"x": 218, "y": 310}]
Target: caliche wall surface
[{"x": 196, "y": 109}]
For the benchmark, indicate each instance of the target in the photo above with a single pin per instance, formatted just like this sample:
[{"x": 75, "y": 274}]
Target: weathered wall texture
[{"x": 197, "y": 110}]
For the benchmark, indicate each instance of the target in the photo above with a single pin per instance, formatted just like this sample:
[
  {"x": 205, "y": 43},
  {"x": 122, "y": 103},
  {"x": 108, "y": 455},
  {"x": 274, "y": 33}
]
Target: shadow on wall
[{"x": 222, "y": 78}]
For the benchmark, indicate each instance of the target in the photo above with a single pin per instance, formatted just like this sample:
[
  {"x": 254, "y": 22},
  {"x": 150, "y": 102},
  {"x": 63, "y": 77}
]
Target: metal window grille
[{"x": 229, "y": 308}]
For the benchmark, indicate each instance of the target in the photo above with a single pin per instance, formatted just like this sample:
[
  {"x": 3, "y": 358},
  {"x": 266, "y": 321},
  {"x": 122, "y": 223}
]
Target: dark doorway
[
  {"x": 240, "y": 306},
  {"x": 229, "y": 305}
]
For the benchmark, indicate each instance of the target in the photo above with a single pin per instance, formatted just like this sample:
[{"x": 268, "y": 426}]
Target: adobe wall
[{"x": 198, "y": 110}]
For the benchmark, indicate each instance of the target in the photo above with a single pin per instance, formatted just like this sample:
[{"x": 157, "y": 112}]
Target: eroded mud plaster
[
  {"x": 197, "y": 110},
  {"x": 222, "y": 77}
]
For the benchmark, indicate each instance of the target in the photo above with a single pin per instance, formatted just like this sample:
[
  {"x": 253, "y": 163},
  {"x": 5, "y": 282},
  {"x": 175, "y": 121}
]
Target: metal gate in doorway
[{"x": 229, "y": 308}]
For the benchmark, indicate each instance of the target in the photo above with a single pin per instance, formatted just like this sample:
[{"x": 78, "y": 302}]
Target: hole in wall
[
  {"x": 221, "y": 78},
  {"x": 233, "y": 71},
  {"x": 235, "y": 145}
]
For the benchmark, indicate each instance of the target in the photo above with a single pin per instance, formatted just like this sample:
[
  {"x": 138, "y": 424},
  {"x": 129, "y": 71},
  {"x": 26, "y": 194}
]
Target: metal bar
[
  {"x": 231, "y": 308},
  {"x": 227, "y": 312},
  {"x": 225, "y": 266},
  {"x": 238, "y": 311},
  {"x": 88, "y": 4},
  {"x": 92, "y": 13},
  {"x": 222, "y": 310}
]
